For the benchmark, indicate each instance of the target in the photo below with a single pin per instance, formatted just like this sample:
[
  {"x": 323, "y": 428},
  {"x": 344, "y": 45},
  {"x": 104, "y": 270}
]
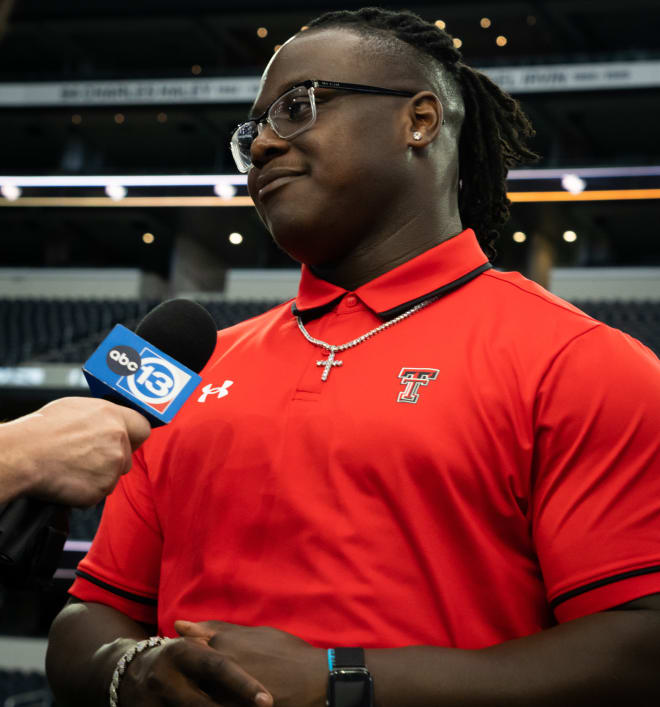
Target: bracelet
[{"x": 123, "y": 662}]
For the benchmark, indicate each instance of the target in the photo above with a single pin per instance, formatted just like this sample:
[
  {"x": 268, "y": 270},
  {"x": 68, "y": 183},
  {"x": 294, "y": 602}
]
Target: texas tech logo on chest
[{"x": 413, "y": 379}]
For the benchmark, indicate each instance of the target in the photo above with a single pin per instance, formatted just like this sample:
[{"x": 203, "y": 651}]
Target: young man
[{"x": 441, "y": 466}]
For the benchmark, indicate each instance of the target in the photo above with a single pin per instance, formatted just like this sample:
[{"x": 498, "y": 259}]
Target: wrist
[
  {"x": 19, "y": 471},
  {"x": 127, "y": 660},
  {"x": 349, "y": 681},
  {"x": 317, "y": 678}
]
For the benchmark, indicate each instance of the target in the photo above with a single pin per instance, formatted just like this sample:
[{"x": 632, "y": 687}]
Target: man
[{"x": 424, "y": 458}]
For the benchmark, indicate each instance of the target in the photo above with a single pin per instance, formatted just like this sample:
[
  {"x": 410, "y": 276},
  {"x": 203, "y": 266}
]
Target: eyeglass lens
[{"x": 289, "y": 115}]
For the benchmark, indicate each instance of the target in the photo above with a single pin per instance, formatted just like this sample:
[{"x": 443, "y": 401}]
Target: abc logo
[
  {"x": 158, "y": 381},
  {"x": 123, "y": 360}
]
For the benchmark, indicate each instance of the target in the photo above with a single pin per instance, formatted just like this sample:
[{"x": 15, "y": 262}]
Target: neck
[{"x": 385, "y": 251}]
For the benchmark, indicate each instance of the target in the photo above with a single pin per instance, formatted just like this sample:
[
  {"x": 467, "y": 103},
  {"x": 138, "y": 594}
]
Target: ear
[{"x": 424, "y": 119}]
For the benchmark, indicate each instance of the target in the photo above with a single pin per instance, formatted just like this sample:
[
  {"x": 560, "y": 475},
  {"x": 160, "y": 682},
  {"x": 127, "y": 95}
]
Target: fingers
[
  {"x": 137, "y": 426},
  {"x": 221, "y": 677},
  {"x": 195, "y": 632}
]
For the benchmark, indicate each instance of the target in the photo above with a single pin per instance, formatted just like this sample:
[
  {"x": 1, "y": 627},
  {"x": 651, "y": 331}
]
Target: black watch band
[
  {"x": 349, "y": 658},
  {"x": 349, "y": 681}
]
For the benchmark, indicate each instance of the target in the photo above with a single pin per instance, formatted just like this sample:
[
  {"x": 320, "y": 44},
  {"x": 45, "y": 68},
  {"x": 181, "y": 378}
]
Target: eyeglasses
[{"x": 291, "y": 114}]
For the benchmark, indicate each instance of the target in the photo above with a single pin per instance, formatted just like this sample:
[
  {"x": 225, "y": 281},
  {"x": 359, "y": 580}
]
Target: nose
[{"x": 267, "y": 145}]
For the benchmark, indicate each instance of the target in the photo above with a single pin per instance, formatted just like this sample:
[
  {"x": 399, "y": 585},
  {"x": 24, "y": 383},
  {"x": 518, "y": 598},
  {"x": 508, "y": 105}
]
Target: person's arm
[
  {"x": 71, "y": 451},
  {"x": 87, "y": 640},
  {"x": 610, "y": 657}
]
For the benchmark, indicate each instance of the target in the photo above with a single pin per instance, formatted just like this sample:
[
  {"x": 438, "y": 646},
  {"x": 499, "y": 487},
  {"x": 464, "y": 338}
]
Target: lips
[{"x": 273, "y": 178}]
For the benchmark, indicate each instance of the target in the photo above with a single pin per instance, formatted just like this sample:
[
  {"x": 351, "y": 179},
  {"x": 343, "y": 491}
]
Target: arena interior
[{"x": 118, "y": 190}]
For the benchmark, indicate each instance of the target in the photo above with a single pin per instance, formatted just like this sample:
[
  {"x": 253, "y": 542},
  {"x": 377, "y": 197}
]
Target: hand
[
  {"x": 188, "y": 673},
  {"x": 293, "y": 671},
  {"x": 71, "y": 451}
]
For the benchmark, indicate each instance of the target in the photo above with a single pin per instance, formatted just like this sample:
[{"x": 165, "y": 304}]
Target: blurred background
[{"x": 117, "y": 189}]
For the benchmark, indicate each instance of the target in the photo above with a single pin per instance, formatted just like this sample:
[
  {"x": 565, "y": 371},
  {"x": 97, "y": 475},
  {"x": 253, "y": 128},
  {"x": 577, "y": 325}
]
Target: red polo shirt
[{"x": 476, "y": 472}]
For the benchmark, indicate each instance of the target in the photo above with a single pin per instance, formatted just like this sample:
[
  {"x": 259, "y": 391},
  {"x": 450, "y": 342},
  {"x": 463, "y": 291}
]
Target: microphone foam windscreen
[{"x": 183, "y": 329}]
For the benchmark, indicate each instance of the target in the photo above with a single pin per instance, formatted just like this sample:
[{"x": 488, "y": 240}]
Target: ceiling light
[
  {"x": 10, "y": 191},
  {"x": 115, "y": 191},
  {"x": 501, "y": 41},
  {"x": 440, "y": 24},
  {"x": 119, "y": 118},
  {"x": 485, "y": 22},
  {"x": 76, "y": 118},
  {"x": 262, "y": 32},
  {"x": 519, "y": 237},
  {"x": 570, "y": 236},
  {"x": 196, "y": 69},
  {"x": 277, "y": 47},
  {"x": 148, "y": 238},
  {"x": 235, "y": 238},
  {"x": 573, "y": 183},
  {"x": 304, "y": 28},
  {"x": 458, "y": 43},
  {"x": 224, "y": 190},
  {"x": 162, "y": 117}
]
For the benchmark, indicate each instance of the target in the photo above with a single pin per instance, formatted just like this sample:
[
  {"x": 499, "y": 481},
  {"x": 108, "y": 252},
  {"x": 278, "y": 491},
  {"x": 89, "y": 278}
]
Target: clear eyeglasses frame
[{"x": 291, "y": 114}]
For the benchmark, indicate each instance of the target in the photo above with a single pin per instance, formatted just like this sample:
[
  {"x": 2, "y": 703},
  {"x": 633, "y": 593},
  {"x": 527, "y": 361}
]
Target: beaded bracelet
[{"x": 123, "y": 662}]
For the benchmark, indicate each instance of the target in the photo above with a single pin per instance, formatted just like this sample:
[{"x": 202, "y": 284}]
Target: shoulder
[
  {"x": 248, "y": 328},
  {"x": 536, "y": 331}
]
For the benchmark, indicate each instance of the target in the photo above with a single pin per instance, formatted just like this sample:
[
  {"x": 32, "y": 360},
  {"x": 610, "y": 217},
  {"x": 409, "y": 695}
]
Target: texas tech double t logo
[{"x": 413, "y": 378}]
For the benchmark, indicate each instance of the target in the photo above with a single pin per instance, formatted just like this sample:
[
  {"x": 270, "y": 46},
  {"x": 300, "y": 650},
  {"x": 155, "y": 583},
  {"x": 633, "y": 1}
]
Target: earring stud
[{"x": 417, "y": 135}]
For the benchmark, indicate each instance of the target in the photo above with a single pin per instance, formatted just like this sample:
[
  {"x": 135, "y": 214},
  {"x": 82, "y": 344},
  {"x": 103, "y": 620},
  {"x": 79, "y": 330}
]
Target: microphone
[{"x": 154, "y": 371}]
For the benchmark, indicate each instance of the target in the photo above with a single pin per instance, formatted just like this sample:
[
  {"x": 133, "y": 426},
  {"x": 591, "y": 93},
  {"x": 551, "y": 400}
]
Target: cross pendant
[{"x": 328, "y": 364}]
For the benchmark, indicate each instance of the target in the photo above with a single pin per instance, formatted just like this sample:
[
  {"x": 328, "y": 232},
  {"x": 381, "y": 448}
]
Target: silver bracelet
[{"x": 123, "y": 662}]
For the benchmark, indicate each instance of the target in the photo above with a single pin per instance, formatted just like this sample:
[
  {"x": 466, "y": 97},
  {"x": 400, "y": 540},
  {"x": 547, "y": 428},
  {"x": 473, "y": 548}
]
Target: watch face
[{"x": 350, "y": 688}]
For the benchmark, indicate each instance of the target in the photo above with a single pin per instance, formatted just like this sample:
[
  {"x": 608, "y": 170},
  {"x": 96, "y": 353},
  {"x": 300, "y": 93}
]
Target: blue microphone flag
[{"x": 144, "y": 377}]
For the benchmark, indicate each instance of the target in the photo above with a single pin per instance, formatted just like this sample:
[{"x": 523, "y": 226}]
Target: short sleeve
[
  {"x": 596, "y": 474},
  {"x": 122, "y": 567}
]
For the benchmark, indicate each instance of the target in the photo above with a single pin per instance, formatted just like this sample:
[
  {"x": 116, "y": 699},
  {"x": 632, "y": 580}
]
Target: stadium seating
[
  {"x": 67, "y": 331},
  {"x": 24, "y": 689}
]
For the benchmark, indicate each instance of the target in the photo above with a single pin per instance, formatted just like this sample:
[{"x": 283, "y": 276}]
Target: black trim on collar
[
  {"x": 441, "y": 291},
  {"x": 119, "y": 592},
  {"x": 309, "y": 314},
  {"x": 602, "y": 583}
]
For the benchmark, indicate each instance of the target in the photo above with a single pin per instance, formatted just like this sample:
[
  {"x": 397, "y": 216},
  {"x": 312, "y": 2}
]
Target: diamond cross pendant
[{"x": 328, "y": 363}]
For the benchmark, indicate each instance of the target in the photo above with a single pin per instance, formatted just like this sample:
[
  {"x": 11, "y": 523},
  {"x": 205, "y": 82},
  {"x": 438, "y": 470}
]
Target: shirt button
[{"x": 351, "y": 300}]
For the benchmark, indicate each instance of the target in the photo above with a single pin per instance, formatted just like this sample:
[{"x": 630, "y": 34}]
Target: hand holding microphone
[{"x": 72, "y": 451}]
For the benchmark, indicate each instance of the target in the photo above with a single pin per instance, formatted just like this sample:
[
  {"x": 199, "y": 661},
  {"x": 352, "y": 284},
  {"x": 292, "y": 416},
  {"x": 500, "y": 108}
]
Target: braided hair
[{"x": 494, "y": 131}]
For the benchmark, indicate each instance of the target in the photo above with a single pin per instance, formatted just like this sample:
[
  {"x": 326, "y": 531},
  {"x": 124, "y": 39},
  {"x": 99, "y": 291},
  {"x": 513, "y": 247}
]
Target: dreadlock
[{"x": 495, "y": 129}]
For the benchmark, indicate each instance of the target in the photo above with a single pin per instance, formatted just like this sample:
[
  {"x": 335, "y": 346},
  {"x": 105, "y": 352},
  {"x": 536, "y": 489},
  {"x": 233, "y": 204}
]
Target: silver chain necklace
[{"x": 330, "y": 362}]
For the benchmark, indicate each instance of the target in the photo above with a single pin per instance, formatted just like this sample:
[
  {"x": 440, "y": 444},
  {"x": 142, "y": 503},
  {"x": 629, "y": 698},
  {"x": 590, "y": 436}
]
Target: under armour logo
[
  {"x": 220, "y": 391},
  {"x": 413, "y": 378}
]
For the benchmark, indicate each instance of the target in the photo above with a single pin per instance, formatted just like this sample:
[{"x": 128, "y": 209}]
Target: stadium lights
[
  {"x": 115, "y": 191},
  {"x": 10, "y": 191},
  {"x": 573, "y": 183},
  {"x": 196, "y": 180},
  {"x": 135, "y": 180},
  {"x": 224, "y": 190}
]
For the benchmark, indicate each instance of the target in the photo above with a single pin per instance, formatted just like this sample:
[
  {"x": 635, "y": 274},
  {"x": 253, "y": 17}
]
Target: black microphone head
[{"x": 183, "y": 329}]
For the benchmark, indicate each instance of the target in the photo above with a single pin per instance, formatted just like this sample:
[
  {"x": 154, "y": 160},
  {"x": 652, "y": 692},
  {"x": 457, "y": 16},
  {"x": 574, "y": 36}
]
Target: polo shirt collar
[{"x": 435, "y": 272}]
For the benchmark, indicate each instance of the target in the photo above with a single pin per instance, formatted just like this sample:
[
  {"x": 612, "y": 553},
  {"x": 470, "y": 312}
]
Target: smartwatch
[{"x": 349, "y": 682}]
